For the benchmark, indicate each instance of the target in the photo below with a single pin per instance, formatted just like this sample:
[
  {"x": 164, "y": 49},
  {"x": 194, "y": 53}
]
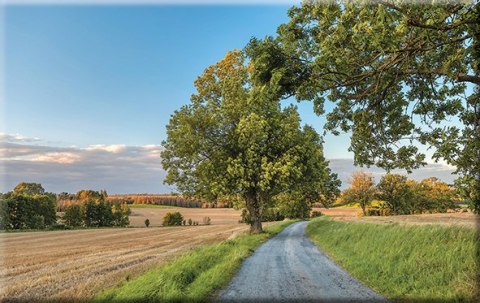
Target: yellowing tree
[{"x": 361, "y": 190}]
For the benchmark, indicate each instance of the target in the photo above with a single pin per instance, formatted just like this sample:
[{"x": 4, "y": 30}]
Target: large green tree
[
  {"x": 398, "y": 74},
  {"x": 234, "y": 138}
]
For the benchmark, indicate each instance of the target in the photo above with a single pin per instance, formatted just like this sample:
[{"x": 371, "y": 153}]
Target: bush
[
  {"x": 190, "y": 221},
  {"x": 373, "y": 211},
  {"x": 293, "y": 207},
  {"x": 173, "y": 219},
  {"x": 147, "y": 223},
  {"x": 73, "y": 215},
  {"x": 316, "y": 214},
  {"x": 38, "y": 222}
]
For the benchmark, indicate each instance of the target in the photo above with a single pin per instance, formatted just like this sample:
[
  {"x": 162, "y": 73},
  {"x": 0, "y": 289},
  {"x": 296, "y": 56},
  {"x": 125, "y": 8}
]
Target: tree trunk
[
  {"x": 253, "y": 207},
  {"x": 363, "y": 206}
]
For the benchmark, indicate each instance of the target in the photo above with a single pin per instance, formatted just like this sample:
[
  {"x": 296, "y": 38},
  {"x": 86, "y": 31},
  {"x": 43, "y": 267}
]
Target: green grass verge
[
  {"x": 404, "y": 263},
  {"x": 150, "y": 206},
  {"x": 193, "y": 276}
]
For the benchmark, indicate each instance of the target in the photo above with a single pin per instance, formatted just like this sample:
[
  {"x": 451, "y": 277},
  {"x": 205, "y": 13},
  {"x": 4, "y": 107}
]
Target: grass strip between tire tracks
[
  {"x": 194, "y": 276},
  {"x": 419, "y": 263}
]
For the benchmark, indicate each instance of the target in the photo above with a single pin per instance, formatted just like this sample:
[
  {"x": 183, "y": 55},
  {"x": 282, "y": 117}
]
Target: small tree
[
  {"x": 147, "y": 223},
  {"x": 395, "y": 191},
  {"x": 438, "y": 193},
  {"x": 73, "y": 215},
  {"x": 172, "y": 219},
  {"x": 362, "y": 190}
]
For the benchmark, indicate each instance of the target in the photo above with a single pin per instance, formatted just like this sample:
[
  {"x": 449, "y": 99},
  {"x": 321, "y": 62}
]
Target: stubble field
[
  {"x": 75, "y": 264},
  {"x": 467, "y": 219}
]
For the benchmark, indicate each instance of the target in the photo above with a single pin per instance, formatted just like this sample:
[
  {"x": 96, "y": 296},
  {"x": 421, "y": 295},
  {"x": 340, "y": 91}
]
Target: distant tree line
[
  {"x": 28, "y": 206},
  {"x": 399, "y": 195}
]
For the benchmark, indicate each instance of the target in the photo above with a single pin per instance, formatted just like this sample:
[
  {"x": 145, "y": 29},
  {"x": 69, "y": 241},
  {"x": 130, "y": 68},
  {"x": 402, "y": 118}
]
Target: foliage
[
  {"x": 361, "y": 190},
  {"x": 394, "y": 190},
  {"x": 395, "y": 72},
  {"x": 293, "y": 206},
  {"x": 439, "y": 261},
  {"x": 21, "y": 211},
  {"x": 159, "y": 200},
  {"x": 96, "y": 212},
  {"x": 73, "y": 215},
  {"x": 86, "y": 194},
  {"x": 194, "y": 276},
  {"x": 235, "y": 139},
  {"x": 173, "y": 219},
  {"x": 316, "y": 213},
  {"x": 29, "y": 189},
  {"x": 147, "y": 223}
]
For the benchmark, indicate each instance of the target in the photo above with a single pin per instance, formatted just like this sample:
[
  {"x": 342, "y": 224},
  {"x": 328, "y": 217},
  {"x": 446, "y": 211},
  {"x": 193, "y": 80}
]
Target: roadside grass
[
  {"x": 150, "y": 206},
  {"x": 193, "y": 276},
  {"x": 404, "y": 263}
]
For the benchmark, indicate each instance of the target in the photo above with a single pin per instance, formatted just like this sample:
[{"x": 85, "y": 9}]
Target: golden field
[{"x": 75, "y": 264}]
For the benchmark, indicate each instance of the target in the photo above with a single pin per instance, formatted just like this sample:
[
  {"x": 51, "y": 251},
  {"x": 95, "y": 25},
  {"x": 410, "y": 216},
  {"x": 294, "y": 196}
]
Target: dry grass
[
  {"x": 451, "y": 218},
  {"x": 76, "y": 264}
]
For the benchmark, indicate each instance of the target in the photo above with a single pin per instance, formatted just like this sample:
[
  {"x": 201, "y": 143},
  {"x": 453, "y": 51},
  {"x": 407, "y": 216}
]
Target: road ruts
[{"x": 290, "y": 268}]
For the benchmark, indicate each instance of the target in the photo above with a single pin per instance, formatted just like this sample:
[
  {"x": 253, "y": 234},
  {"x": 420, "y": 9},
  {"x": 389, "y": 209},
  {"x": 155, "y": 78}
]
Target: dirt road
[{"x": 290, "y": 268}]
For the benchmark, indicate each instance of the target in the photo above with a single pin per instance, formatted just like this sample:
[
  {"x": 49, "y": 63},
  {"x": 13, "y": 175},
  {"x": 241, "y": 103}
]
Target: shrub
[
  {"x": 316, "y": 214},
  {"x": 173, "y": 219},
  {"x": 373, "y": 212},
  {"x": 73, "y": 215},
  {"x": 292, "y": 206},
  {"x": 147, "y": 222},
  {"x": 38, "y": 222},
  {"x": 190, "y": 221},
  {"x": 207, "y": 220}
]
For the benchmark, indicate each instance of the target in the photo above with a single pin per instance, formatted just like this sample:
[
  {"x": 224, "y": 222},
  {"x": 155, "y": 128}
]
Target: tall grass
[
  {"x": 404, "y": 263},
  {"x": 194, "y": 276}
]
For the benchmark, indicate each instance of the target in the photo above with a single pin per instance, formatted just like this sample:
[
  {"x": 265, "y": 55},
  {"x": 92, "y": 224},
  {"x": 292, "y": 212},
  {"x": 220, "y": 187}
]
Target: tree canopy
[
  {"x": 234, "y": 138},
  {"x": 398, "y": 74}
]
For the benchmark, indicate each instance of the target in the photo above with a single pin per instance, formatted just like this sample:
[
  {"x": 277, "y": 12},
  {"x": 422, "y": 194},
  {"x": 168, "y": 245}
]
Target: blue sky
[{"x": 102, "y": 81}]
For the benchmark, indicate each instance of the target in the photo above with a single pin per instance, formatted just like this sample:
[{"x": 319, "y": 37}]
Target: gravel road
[{"x": 290, "y": 268}]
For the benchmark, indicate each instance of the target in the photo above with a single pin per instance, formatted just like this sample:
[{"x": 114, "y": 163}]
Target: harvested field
[
  {"x": 155, "y": 215},
  {"x": 451, "y": 218},
  {"x": 76, "y": 264}
]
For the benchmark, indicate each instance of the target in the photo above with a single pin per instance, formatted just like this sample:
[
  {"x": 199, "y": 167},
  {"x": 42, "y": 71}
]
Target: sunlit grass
[{"x": 404, "y": 263}]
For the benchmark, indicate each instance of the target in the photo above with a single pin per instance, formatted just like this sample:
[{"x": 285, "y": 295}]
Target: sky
[{"x": 89, "y": 89}]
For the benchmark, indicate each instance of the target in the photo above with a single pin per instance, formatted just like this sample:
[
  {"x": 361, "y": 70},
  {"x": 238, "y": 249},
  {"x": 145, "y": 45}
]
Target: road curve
[{"x": 290, "y": 268}]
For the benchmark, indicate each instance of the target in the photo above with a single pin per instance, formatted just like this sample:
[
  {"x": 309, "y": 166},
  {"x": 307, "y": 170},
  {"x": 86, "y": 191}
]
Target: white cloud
[
  {"x": 118, "y": 168},
  {"x": 16, "y": 138},
  {"x": 59, "y": 157},
  {"x": 114, "y": 148},
  {"x": 122, "y": 168}
]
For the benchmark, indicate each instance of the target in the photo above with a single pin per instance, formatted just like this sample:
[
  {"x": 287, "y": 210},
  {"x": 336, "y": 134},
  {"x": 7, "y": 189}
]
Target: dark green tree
[
  {"x": 394, "y": 190},
  {"x": 396, "y": 73},
  {"x": 73, "y": 215}
]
